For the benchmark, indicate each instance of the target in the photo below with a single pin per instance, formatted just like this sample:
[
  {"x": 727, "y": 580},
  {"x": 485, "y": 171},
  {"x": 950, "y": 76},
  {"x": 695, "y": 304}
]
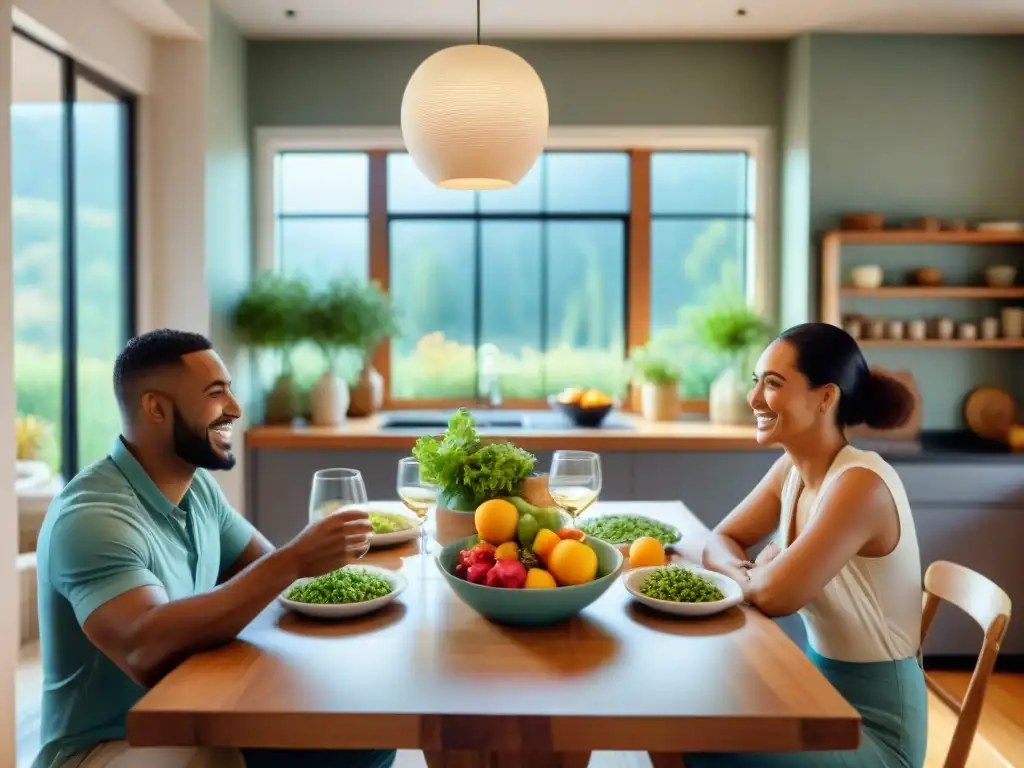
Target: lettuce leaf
[{"x": 460, "y": 460}]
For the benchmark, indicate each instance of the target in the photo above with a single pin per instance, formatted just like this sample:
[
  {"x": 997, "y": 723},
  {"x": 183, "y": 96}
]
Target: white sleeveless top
[{"x": 871, "y": 610}]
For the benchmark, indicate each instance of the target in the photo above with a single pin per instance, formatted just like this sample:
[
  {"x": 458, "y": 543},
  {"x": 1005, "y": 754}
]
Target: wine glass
[
  {"x": 416, "y": 493},
  {"x": 335, "y": 490},
  {"x": 574, "y": 481}
]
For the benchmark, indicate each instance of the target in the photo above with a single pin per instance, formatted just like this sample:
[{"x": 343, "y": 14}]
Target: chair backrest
[{"x": 987, "y": 604}]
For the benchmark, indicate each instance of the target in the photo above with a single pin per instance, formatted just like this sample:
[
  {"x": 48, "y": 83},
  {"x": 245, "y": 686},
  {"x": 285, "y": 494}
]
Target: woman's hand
[{"x": 768, "y": 554}]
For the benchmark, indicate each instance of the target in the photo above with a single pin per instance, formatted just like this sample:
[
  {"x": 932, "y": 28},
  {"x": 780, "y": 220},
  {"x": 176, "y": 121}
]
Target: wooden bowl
[
  {"x": 930, "y": 277},
  {"x": 862, "y": 221}
]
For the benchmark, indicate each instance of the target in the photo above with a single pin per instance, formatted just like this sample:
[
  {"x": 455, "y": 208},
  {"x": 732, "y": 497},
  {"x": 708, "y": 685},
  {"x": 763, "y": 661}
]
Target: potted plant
[
  {"x": 659, "y": 384},
  {"x": 271, "y": 318},
  {"x": 375, "y": 321},
  {"x": 732, "y": 330}
]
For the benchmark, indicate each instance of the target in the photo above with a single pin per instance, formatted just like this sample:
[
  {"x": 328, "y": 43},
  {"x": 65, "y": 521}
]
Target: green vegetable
[
  {"x": 389, "y": 522},
  {"x": 527, "y": 529},
  {"x": 624, "y": 529},
  {"x": 680, "y": 585},
  {"x": 467, "y": 470},
  {"x": 345, "y": 585}
]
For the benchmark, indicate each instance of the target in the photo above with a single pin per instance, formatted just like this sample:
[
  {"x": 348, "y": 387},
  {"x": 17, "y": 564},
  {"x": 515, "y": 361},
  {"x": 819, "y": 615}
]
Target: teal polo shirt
[{"x": 109, "y": 531}]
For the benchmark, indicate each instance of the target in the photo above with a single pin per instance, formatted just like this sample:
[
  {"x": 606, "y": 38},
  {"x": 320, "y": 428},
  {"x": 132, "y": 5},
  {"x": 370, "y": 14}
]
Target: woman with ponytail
[{"x": 844, "y": 552}]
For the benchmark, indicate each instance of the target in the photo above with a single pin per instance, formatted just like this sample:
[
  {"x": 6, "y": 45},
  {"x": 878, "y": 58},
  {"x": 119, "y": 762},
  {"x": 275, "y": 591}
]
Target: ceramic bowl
[
  {"x": 731, "y": 591},
  {"x": 866, "y": 277},
  {"x": 347, "y": 610},
  {"x": 530, "y": 607},
  {"x": 1001, "y": 275}
]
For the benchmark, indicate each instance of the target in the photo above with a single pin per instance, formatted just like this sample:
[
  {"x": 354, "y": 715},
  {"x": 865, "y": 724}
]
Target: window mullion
[{"x": 69, "y": 393}]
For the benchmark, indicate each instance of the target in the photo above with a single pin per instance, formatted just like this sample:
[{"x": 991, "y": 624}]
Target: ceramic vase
[
  {"x": 727, "y": 398},
  {"x": 328, "y": 400},
  {"x": 368, "y": 393},
  {"x": 281, "y": 400},
  {"x": 659, "y": 402}
]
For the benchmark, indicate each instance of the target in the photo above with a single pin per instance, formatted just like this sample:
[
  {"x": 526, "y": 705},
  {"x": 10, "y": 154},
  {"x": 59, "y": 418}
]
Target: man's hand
[{"x": 331, "y": 543}]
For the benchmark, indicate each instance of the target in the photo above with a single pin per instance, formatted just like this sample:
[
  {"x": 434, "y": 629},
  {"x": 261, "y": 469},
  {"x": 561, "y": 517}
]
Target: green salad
[
  {"x": 345, "y": 585},
  {"x": 389, "y": 522},
  {"x": 680, "y": 585},
  {"x": 625, "y": 529}
]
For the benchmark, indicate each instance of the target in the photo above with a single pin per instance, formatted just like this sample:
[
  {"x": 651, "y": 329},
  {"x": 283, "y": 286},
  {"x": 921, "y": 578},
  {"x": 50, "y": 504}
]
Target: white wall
[{"x": 9, "y": 609}]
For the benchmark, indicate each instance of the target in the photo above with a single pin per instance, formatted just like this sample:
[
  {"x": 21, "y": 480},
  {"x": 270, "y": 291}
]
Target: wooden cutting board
[
  {"x": 909, "y": 431},
  {"x": 991, "y": 412}
]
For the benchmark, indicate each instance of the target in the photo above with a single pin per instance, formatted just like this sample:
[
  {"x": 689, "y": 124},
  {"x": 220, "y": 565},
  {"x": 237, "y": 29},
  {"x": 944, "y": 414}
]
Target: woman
[{"x": 844, "y": 555}]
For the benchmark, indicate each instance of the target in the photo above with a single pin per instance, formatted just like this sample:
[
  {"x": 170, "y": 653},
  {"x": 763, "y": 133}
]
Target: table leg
[
  {"x": 467, "y": 759},
  {"x": 667, "y": 759}
]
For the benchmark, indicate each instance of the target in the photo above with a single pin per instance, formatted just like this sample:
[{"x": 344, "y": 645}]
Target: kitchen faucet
[{"x": 489, "y": 374}]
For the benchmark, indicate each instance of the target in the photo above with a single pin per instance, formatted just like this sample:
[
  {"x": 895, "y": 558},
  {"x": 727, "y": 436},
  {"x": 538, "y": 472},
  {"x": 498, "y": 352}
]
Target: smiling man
[{"x": 142, "y": 562}]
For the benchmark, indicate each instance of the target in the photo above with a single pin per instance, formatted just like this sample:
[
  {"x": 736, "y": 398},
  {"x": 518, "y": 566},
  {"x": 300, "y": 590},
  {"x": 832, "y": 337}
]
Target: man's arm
[{"x": 99, "y": 561}]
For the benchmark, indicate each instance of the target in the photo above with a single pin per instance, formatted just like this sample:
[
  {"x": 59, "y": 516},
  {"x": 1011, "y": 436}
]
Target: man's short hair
[{"x": 148, "y": 353}]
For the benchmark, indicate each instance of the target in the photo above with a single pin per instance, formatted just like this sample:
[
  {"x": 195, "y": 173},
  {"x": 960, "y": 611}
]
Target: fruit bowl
[
  {"x": 530, "y": 607},
  {"x": 579, "y": 411}
]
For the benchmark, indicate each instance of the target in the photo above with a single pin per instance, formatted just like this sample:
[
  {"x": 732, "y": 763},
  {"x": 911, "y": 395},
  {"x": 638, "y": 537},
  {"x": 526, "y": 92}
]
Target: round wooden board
[{"x": 990, "y": 412}]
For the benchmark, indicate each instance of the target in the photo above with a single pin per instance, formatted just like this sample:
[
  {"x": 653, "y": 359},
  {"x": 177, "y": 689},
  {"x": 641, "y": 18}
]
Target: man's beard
[{"x": 196, "y": 448}]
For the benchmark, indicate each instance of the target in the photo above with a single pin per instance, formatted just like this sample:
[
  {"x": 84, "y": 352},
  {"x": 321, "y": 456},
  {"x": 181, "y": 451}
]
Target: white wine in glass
[
  {"x": 574, "y": 480},
  {"x": 335, "y": 490},
  {"x": 417, "y": 494}
]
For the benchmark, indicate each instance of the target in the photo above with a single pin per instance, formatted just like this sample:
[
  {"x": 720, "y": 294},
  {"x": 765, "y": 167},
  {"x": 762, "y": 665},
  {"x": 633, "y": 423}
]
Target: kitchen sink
[{"x": 437, "y": 421}]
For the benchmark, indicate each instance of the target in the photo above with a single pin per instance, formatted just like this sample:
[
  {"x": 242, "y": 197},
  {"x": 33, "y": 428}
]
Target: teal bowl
[{"x": 530, "y": 607}]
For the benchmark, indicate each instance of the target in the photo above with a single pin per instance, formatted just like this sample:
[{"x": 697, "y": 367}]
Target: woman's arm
[
  {"x": 856, "y": 510},
  {"x": 749, "y": 523}
]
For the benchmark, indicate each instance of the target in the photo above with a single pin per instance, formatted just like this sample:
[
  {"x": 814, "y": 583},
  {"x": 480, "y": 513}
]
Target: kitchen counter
[{"x": 626, "y": 433}]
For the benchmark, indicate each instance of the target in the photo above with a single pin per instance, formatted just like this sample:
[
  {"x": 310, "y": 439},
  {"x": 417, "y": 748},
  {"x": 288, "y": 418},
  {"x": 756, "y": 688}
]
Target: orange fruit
[
  {"x": 496, "y": 521},
  {"x": 594, "y": 398},
  {"x": 538, "y": 578},
  {"x": 570, "y": 395},
  {"x": 507, "y": 551},
  {"x": 572, "y": 562},
  {"x": 544, "y": 543},
  {"x": 645, "y": 551},
  {"x": 571, "y": 533}
]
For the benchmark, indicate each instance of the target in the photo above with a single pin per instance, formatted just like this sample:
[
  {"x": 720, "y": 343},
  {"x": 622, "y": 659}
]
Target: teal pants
[{"x": 893, "y": 704}]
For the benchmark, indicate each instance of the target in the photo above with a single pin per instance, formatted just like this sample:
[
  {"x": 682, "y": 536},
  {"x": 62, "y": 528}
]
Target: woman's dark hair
[{"x": 826, "y": 354}]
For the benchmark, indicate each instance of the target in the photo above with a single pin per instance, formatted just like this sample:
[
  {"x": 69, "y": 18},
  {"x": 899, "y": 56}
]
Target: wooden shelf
[
  {"x": 942, "y": 292},
  {"x": 921, "y": 237},
  {"x": 944, "y": 344}
]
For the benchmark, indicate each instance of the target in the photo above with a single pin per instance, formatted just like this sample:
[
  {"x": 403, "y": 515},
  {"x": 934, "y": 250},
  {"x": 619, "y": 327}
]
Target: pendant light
[{"x": 475, "y": 116}]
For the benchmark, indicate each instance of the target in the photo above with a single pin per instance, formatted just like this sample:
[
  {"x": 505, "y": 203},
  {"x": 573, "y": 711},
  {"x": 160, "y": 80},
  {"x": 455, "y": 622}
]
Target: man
[{"x": 142, "y": 563}]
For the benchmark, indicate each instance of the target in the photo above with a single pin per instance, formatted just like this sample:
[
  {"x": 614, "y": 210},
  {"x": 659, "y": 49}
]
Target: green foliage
[
  {"x": 349, "y": 315},
  {"x": 651, "y": 368},
  {"x": 465, "y": 467},
  {"x": 272, "y": 313},
  {"x": 732, "y": 328}
]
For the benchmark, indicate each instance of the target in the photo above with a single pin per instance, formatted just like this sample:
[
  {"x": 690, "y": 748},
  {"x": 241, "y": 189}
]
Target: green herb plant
[
  {"x": 345, "y": 585},
  {"x": 271, "y": 316},
  {"x": 650, "y": 368},
  {"x": 625, "y": 529},
  {"x": 731, "y": 328},
  {"x": 349, "y": 315},
  {"x": 468, "y": 471},
  {"x": 680, "y": 585}
]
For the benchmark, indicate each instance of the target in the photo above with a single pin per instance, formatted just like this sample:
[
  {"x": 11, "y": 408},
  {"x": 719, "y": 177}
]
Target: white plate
[
  {"x": 347, "y": 610},
  {"x": 634, "y": 579},
  {"x": 398, "y": 537}
]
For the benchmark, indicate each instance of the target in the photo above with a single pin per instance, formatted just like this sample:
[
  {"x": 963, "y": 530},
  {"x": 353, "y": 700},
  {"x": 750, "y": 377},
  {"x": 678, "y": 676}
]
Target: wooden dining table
[{"x": 428, "y": 673}]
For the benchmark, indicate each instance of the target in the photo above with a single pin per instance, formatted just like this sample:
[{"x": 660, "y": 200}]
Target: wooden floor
[{"x": 1000, "y": 740}]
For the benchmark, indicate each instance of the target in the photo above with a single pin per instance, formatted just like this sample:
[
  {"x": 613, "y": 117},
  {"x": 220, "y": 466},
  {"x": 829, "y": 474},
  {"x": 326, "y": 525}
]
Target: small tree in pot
[
  {"x": 348, "y": 317},
  {"x": 659, "y": 384},
  {"x": 735, "y": 331},
  {"x": 269, "y": 319}
]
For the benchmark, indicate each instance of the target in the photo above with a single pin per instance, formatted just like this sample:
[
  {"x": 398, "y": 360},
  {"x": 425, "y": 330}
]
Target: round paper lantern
[{"x": 475, "y": 117}]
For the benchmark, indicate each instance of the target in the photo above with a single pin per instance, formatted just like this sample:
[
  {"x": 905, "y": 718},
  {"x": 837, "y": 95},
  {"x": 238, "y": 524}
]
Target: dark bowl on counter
[{"x": 583, "y": 417}]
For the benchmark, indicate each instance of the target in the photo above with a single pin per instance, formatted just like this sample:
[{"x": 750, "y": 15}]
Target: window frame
[
  {"x": 71, "y": 70},
  {"x": 639, "y": 141}
]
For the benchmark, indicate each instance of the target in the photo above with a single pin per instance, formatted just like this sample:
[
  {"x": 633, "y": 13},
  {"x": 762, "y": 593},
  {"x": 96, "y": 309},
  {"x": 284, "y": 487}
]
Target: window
[
  {"x": 702, "y": 215},
  {"x": 541, "y": 286},
  {"x": 527, "y": 282},
  {"x": 73, "y": 237}
]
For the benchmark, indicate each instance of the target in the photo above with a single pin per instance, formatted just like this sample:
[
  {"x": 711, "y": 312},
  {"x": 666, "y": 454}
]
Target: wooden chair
[{"x": 988, "y": 605}]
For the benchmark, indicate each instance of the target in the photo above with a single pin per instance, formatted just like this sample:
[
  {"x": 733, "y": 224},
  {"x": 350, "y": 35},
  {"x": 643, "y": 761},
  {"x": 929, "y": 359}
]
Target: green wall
[
  {"x": 904, "y": 125},
  {"x": 911, "y": 126},
  {"x": 616, "y": 83}
]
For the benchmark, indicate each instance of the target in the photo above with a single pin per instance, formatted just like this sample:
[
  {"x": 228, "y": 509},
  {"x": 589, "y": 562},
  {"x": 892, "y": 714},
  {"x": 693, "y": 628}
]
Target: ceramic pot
[
  {"x": 368, "y": 393},
  {"x": 281, "y": 400},
  {"x": 659, "y": 402},
  {"x": 727, "y": 398},
  {"x": 328, "y": 401}
]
